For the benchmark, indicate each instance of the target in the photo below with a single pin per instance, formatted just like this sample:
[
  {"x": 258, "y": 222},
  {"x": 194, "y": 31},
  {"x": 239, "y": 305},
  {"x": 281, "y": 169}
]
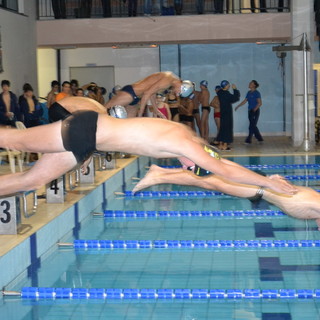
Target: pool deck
[{"x": 53, "y": 221}]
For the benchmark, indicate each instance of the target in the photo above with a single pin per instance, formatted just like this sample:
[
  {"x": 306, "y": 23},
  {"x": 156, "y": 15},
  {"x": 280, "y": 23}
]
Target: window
[{"x": 9, "y": 4}]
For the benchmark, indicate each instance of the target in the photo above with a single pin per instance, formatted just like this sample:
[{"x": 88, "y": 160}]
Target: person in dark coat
[
  {"x": 226, "y": 99},
  {"x": 9, "y": 108},
  {"x": 30, "y": 107}
]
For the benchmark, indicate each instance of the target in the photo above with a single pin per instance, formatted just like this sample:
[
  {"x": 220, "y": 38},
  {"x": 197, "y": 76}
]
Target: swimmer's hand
[
  {"x": 279, "y": 184},
  {"x": 84, "y": 167}
]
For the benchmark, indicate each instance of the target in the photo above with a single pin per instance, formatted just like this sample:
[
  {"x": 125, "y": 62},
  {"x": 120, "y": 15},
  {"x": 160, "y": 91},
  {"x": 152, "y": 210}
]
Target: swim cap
[
  {"x": 217, "y": 88},
  {"x": 118, "y": 112},
  {"x": 186, "y": 88},
  {"x": 204, "y": 83},
  {"x": 224, "y": 83},
  {"x": 116, "y": 88}
]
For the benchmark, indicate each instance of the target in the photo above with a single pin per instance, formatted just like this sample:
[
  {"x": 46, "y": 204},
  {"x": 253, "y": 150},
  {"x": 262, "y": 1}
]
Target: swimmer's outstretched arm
[
  {"x": 232, "y": 171},
  {"x": 165, "y": 80}
]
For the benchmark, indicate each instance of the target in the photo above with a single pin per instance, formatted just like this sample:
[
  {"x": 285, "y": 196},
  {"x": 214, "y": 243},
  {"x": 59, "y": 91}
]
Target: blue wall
[{"x": 238, "y": 63}]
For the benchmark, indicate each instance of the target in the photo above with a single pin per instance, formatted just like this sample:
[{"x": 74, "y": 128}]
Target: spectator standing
[
  {"x": 74, "y": 86},
  {"x": 85, "y": 8},
  {"x": 30, "y": 107},
  {"x": 186, "y": 110},
  {"x": 132, "y": 8},
  {"x": 174, "y": 103},
  {"x": 59, "y": 9},
  {"x": 148, "y": 7},
  {"x": 218, "y": 6},
  {"x": 215, "y": 103},
  {"x": 200, "y": 6},
  {"x": 163, "y": 110},
  {"x": 253, "y": 98},
  {"x": 178, "y": 6},
  {"x": 205, "y": 108},
  {"x": 9, "y": 108},
  {"x": 106, "y": 8},
  {"x": 225, "y": 136},
  {"x": 66, "y": 91},
  {"x": 196, "y": 113},
  {"x": 51, "y": 96},
  {"x": 79, "y": 92}
]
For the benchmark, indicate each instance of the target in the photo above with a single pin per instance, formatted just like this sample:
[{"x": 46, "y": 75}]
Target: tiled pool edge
[{"x": 18, "y": 259}]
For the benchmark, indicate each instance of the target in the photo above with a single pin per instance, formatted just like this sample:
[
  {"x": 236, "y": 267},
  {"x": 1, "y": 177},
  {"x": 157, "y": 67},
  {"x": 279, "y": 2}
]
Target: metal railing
[{"x": 71, "y": 9}]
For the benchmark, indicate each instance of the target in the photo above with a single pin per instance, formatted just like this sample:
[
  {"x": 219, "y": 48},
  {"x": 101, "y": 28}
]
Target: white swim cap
[
  {"x": 116, "y": 88},
  {"x": 186, "y": 88},
  {"x": 118, "y": 112}
]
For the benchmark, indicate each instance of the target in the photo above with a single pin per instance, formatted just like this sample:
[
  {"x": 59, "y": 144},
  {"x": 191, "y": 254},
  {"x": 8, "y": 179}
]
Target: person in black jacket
[
  {"x": 225, "y": 136},
  {"x": 9, "y": 108},
  {"x": 30, "y": 107}
]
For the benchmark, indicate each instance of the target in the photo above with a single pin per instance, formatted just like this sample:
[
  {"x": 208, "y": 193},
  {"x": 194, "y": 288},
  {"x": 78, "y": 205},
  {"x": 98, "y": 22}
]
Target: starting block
[
  {"x": 110, "y": 160},
  {"x": 55, "y": 191},
  {"x": 105, "y": 160},
  {"x": 88, "y": 177},
  {"x": 11, "y": 209},
  {"x": 73, "y": 178},
  {"x": 9, "y": 217}
]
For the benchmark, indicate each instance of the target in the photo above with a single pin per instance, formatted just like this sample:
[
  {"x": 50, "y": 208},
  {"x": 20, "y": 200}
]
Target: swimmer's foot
[{"x": 149, "y": 179}]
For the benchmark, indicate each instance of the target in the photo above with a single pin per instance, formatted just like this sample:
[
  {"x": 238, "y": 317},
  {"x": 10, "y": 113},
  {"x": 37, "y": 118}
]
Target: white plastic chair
[
  {"x": 12, "y": 155},
  {"x": 25, "y": 155}
]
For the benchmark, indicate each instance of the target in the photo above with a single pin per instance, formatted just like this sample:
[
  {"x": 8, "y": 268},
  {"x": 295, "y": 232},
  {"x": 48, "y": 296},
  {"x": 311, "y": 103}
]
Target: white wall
[
  {"x": 238, "y": 63},
  {"x": 19, "y": 47},
  {"x": 130, "y": 64},
  {"x": 47, "y": 70}
]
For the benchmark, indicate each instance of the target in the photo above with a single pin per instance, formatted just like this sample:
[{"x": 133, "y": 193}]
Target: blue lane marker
[
  {"x": 175, "y": 194},
  {"x": 83, "y": 244},
  {"x": 272, "y": 166},
  {"x": 37, "y": 293},
  {"x": 266, "y": 230},
  {"x": 193, "y": 213},
  {"x": 271, "y": 269}
]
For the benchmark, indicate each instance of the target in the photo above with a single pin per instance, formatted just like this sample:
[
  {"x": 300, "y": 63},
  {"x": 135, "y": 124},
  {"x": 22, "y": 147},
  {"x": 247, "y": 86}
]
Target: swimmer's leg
[
  {"x": 157, "y": 175},
  {"x": 122, "y": 98},
  {"x": 49, "y": 167},
  {"x": 44, "y": 138}
]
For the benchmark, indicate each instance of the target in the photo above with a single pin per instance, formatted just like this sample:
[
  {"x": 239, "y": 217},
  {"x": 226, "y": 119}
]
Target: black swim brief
[
  {"x": 174, "y": 111},
  {"x": 135, "y": 98},
  {"x": 186, "y": 118},
  {"x": 58, "y": 112},
  {"x": 78, "y": 133},
  {"x": 206, "y": 108}
]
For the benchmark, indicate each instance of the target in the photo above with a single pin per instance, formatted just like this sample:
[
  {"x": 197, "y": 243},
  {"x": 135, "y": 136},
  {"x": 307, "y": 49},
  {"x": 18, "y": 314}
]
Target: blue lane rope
[
  {"x": 303, "y": 177},
  {"x": 191, "y": 244},
  {"x": 193, "y": 213},
  {"x": 170, "y": 194},
  {"x": 38, "y": 293},
  {"x": 270, "y": 166},
  {"x": 173, "y": 194}
]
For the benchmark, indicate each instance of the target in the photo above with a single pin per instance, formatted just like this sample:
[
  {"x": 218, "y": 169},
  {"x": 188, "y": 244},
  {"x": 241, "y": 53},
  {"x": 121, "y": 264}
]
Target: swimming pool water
[{"x": 293, "y": 268}]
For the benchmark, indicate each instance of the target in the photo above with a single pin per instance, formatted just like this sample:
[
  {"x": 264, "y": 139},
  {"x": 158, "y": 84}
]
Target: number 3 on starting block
[{"x": 8, "y": 215}]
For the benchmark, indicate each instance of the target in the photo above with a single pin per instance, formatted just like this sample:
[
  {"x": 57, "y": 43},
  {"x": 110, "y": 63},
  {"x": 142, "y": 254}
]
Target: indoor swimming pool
[{"x": 182, "y": 254}]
